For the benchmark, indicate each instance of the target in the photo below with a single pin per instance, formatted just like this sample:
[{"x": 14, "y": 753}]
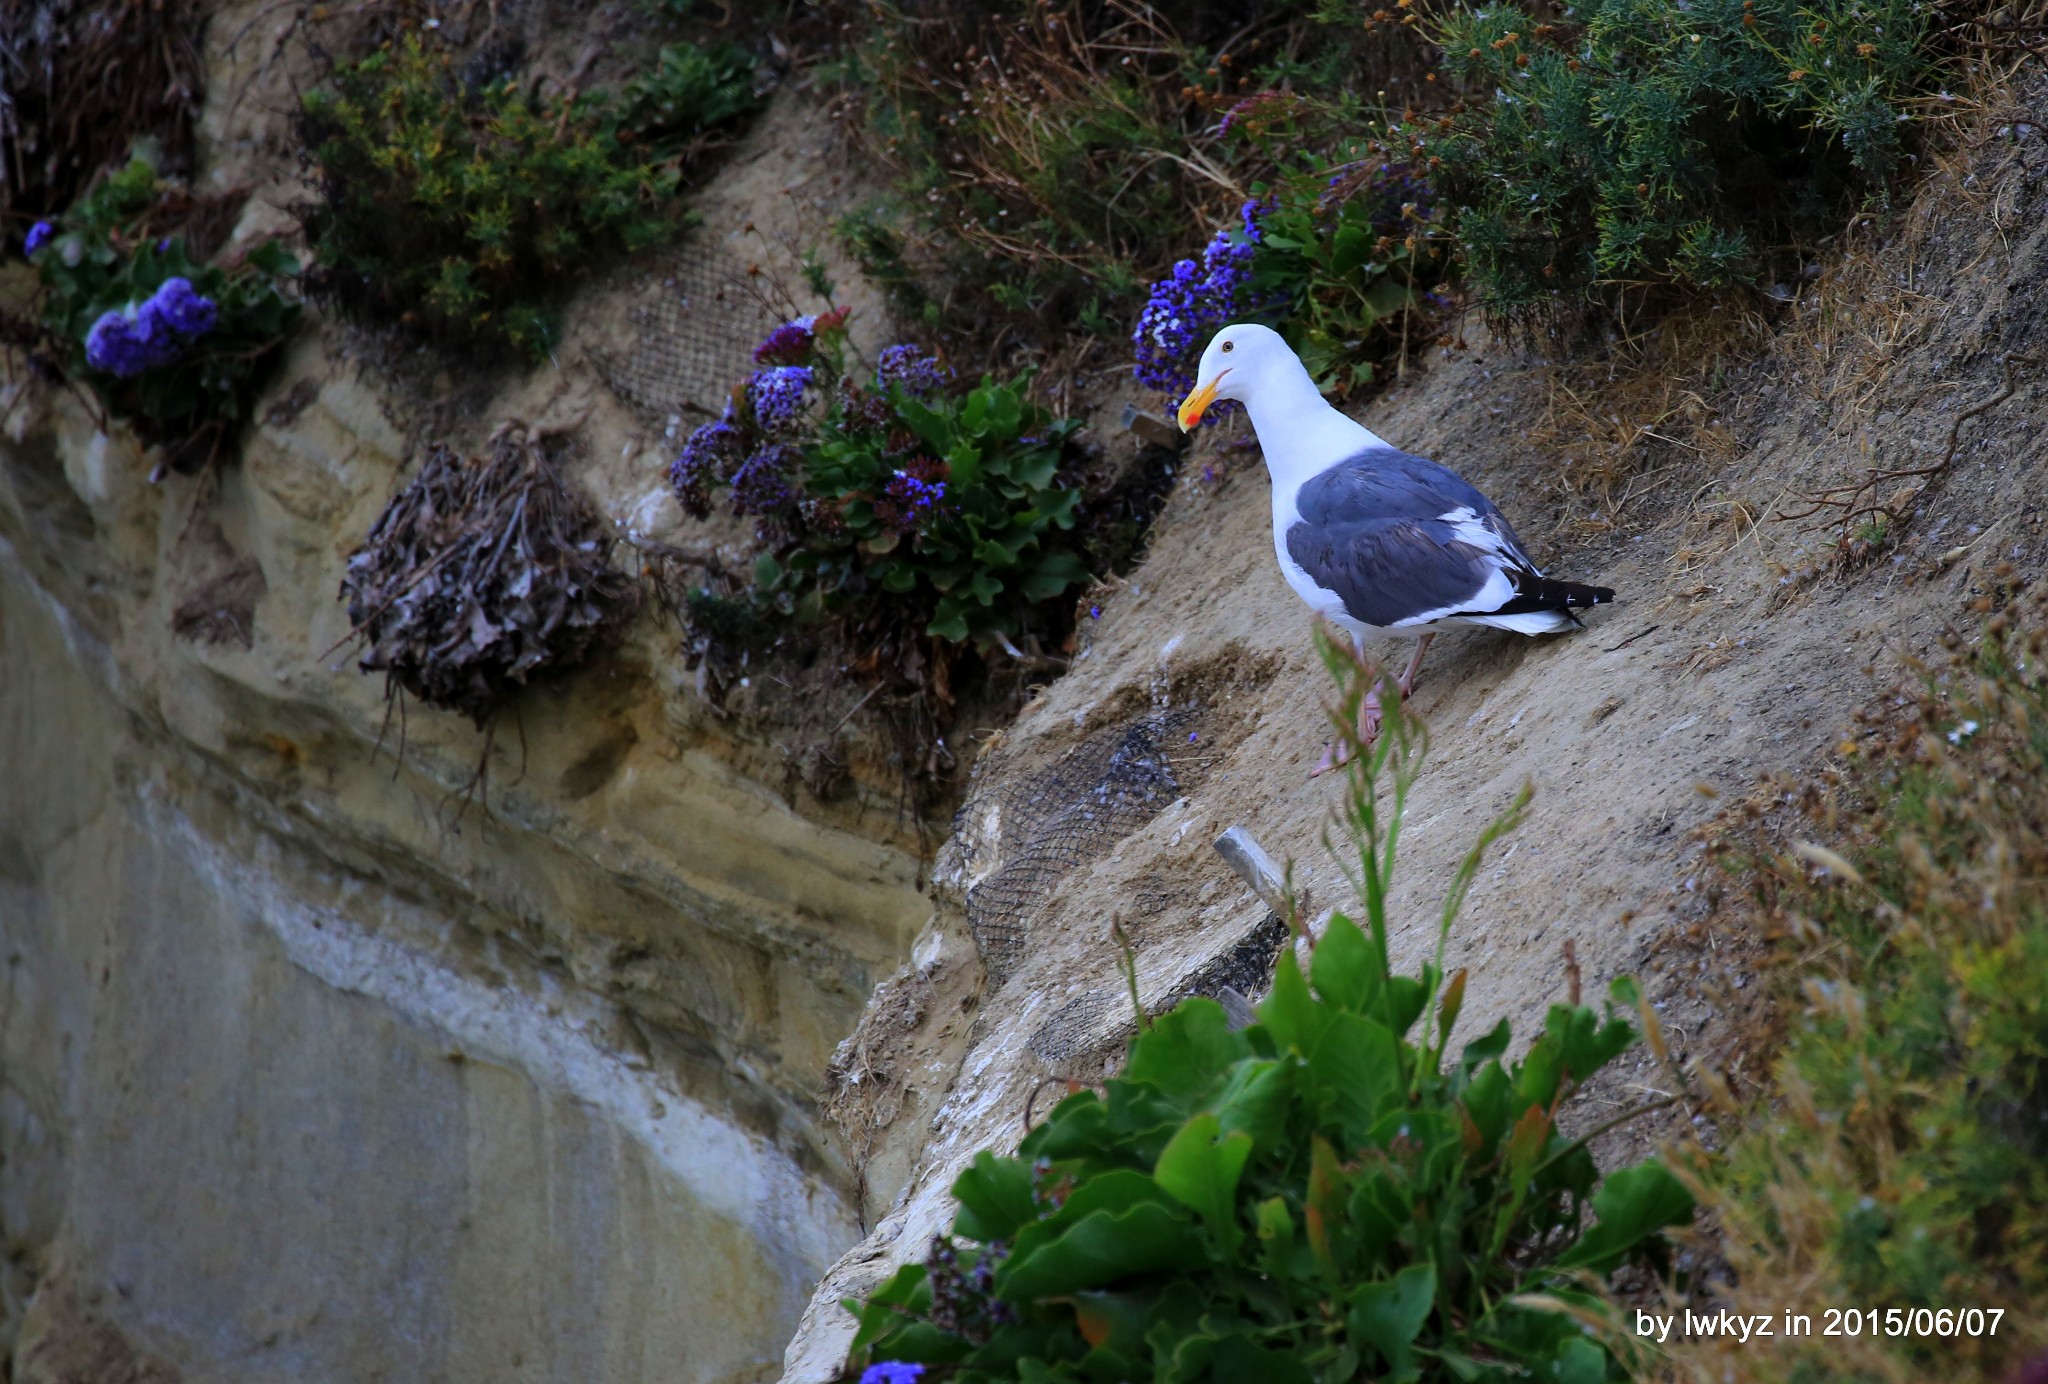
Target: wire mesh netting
[
  {"x": 1093, "y": 1026},
  {"x": 1043, "y": 826},
  {"x": 692, "y": 333}
]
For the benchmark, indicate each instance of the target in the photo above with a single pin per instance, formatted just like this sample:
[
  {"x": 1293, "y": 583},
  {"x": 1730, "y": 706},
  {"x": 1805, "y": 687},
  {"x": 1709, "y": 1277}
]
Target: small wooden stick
[{"x": 1249, "y": 859}]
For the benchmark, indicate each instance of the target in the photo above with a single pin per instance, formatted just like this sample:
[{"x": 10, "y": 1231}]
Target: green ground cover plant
[
  {"x": 890, "y": 494},
  {"x": 459, "y": 209},
  {"x": 1643, "y": 142},
  {"x": 1901, "y": 1161},
  {"x": 172, "y": 342},
  {"x": 1333, "y": 1193}
]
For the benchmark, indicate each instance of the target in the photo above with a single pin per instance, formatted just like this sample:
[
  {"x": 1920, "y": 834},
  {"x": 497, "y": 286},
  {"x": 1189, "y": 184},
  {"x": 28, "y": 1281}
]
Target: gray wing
[
  {"x": 1382, "y": 483},
  {"x": 1397, "y": 538}
]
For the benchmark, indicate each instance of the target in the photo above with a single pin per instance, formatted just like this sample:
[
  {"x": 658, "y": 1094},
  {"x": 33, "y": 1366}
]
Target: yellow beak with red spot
[{"x": 1191, "y": 408}]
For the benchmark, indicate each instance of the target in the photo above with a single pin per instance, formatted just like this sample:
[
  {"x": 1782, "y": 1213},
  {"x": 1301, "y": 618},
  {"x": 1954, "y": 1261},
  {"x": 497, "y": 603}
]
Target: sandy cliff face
[{"x": 320, "y": 1060}]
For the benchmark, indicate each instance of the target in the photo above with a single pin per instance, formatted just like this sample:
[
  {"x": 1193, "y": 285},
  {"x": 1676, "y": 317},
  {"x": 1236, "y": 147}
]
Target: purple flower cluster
[
  {"x": 793, "y": 342},
  {"x": 707, "y": 458},
  {"x": 1194, "y": 300},
  {"x": 892, "y": 1372},
  {"x": 766, "y": 483},
  {"x": 38, "y": 234},
  {"x": 776, "y": 395},
  {"x": 912, "y": 495},
  {"x": 125, "y": 342},
  {"x": 909, "y": 368}
]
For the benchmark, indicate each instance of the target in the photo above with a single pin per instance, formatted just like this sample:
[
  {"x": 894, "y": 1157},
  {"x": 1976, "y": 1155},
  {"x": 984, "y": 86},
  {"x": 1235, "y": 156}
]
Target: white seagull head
[{"x": 1244, "y": 361}]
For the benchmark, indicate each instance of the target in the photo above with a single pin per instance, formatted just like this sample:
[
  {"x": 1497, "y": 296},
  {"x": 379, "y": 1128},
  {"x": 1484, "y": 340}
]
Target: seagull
[{"x": 1375, "y": 541}]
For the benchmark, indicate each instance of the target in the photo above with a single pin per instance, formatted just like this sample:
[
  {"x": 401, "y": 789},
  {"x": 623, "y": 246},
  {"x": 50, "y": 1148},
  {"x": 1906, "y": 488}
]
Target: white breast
[{"x": 1319, "y": 599}]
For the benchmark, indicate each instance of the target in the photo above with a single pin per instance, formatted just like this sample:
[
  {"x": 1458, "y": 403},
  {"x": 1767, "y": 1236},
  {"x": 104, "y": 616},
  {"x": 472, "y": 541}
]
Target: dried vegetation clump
[
  {"x": 1896, "y": 1158},
  {"x": 483, "y": 574},
  {"x": 81, "y": 83}
]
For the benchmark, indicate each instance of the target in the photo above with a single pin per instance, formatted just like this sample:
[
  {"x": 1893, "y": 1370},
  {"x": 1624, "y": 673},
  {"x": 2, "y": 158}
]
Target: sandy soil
[{"x": 1738, "y": 645}]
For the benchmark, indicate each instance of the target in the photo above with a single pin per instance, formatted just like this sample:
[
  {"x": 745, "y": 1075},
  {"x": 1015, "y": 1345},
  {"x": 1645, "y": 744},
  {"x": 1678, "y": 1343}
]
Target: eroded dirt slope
[{"x": 1738, "y": 645}]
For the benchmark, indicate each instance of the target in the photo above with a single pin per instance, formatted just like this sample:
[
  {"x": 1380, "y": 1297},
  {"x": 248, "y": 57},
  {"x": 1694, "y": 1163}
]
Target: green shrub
[
  {"x": 1646, "y": 141},
  {"x": 175, "y": 345},
  {"x": 1332, "y": 256},
  {"x": 890, "y": 494},
  {"x": 459, "y": 210},
  {"x": 692, "y": 91},
  {"x": 1901, "y": 1159},
  {"x": 1326, "y": 1195},
  {"x": 1044, "y": 161}
]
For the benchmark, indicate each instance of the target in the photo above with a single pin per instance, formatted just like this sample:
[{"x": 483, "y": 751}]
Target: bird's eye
[{"x": 1228, "y": 345}]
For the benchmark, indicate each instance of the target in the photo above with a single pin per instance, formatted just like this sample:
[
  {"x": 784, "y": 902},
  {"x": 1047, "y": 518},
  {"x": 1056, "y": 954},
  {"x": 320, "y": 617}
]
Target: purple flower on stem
[
  {"x": 777, "y": 395},
  {"x": 38, "y": 235},
  {"x": 909, "y": 368},
  {"x": 765, "y": 483},
  {"x": 913, "y": 494},
  {"x": 788, "y": 344},
  {"x": 892, "y": 1372},
  {"x": 178, "y": 308},
  {"x": 705, "y": 461},
  {"x": 1194, "y": 300},
  {"x": 125, "y": 342}
]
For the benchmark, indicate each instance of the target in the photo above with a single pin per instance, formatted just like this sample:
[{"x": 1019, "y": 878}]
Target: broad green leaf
[
  {"x": 1354, "y": 1074},
  {"x": 1113, "y": 1321},
  {"x": 1256, "y": 1100},
  {"x": 1055, "y": 573},
  {"x": 1186, "y": 1051},
  {"x": 995, "y": 1198},
  {"x": 1200, "y": 1169},
  {"x": 1290, "y": 1014},
  {"x": 1346, "y": 969},
  {"x": 1388, "y": 1316},
  {"x": 1056, "y": 1257},
  {"x": 1632, "y": 1205}
]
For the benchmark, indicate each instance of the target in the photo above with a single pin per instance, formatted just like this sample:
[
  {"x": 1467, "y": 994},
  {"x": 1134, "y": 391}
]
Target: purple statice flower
[
  {"x": 1195, "y": 299},
  {"x": 913, "y": 495},
  {"x": 863, "y": 409},
  {"x": 910, "y": 369},
  {"x": 788, "y": 344},
  {"x": 38, "y": 235},
  {"x": 892, "y": 1372},
  {"x": 707, "y": 458},
  {"x": 177, "y": 308},
  {"x": 793, "y": 341},
  {"x": 765, "y": 484},
  {"x": 777, "y": 395}
]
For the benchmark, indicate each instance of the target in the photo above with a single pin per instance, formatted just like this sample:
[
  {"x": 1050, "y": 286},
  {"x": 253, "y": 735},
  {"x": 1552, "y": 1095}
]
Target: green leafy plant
[
  {"x": 1346, "y": 246},
  {"x": 1329, "y": 1194},
  {"x": 1044, "y": 162},
  {"x": 1642, "y": 141},
  {"x": 693, "y": 91},
  {"x": 107, "y": 269},
  {"x": 890, "y": 493},
  {"x": 1900, "y": 1159},
  {"x": 459, "y": 210}
]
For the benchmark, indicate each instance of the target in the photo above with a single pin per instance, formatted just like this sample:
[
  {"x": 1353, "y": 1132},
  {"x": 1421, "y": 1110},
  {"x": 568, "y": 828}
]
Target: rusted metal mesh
[
  {"x": 483, "y": 574},
  {"x": 1041, "y": 827},
  {"x": 693, "y": 331}
]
